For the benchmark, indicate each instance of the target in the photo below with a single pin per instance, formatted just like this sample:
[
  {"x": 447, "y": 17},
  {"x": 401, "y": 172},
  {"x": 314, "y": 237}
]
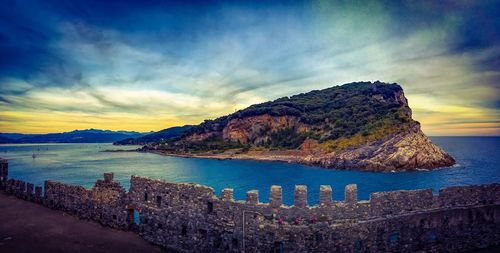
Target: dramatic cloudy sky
[{"x": 145, "y": 66}]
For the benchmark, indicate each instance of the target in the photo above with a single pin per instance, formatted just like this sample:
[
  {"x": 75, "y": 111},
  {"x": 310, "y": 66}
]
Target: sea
[{"x": 478, "y": 162}]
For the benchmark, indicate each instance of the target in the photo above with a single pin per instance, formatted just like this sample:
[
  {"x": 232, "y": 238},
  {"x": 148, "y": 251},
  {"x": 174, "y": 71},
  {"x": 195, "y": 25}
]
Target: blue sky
[{"x": 148, "y": 65}]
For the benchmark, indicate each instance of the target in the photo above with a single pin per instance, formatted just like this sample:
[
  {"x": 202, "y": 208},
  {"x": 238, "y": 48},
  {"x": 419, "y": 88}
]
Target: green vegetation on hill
[
  {"x": 75, "y": 136},
  {"x": 338, "y": 117},
  {"x": 163, "y": 135}
]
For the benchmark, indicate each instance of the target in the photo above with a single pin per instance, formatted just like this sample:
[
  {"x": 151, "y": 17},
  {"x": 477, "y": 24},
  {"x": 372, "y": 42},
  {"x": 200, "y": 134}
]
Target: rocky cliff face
[
  {"x": 404, "y": 151},
  {"x": 257, "y": 129},
  {"x": 365, "y": 126}
]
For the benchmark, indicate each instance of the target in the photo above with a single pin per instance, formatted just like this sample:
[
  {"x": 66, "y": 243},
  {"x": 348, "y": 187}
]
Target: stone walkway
[{"x": 28, "y": 227}]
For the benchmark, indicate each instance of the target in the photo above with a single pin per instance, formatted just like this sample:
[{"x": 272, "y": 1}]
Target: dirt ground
[{"x": 28, "y": 227}]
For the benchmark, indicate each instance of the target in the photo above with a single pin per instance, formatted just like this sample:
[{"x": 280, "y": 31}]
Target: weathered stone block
[
  {"x": 351, "y": 193},
  {"x": 38, "y": 192},
  {"x": 108, "y": 177},
  {"x": 253, "y": 197},
  {"x": 275, "y": 196},
  {"x": 325, "y": 195},
  {"x": 4, "y": 172},
  {"x": 300, "y": 197},
  {"x": 21, "y": 189},
  {"x": 383, "y": 203},
  {"x": 29, "y": 190},
  {"x": 227, "y": 194},
  {"x": 10, "y": 186}
]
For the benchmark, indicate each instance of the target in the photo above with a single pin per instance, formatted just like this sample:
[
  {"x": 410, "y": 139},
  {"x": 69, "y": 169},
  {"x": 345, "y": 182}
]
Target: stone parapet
[
  {"x": 351, "y": 194},
  {"x": 190, "y": 218},
  {"x": 300, "y": 198},
  {"x": 227, "y": 194},
  {"x": 275, "y": 196},
  {"x": 252, "y": 197},
  {"x": 325, "y": 195}
]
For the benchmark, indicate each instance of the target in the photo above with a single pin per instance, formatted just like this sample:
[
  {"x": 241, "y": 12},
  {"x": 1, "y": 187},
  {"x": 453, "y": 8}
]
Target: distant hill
[
  {"x": 15, "y": 136},
  {"x": 165, "y": 134},
  {"x": 361, "y": 125},
  {"x": 5, "y": 140},
  {"x": 76, "y": 136}
]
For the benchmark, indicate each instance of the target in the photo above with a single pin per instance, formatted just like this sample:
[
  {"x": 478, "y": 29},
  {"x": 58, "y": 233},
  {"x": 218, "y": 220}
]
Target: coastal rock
[{"x": 407, "y": 151}]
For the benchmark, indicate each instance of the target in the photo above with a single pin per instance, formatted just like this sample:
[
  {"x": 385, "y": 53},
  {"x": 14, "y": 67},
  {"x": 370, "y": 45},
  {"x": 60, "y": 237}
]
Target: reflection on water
[{"x": 82, "y": 164}]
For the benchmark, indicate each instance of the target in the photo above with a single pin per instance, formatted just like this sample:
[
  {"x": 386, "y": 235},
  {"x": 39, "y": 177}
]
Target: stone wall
[
  {"x": 4, "y": 173},
  {"x": 192, "y": 218},
  {"x": 104, "y": 203}
]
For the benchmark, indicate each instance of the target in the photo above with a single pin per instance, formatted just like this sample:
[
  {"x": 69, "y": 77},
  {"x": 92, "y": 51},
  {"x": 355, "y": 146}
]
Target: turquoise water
[{"x": 478, "y": 163}]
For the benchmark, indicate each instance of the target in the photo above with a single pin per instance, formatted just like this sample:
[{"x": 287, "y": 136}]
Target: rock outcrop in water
[
  {"x": 405, "y": 151},
  {"x": 364, "y": 125}
]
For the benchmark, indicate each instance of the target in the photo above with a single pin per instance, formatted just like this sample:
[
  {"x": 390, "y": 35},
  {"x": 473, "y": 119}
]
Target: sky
[{"x": 149, "y": 65}]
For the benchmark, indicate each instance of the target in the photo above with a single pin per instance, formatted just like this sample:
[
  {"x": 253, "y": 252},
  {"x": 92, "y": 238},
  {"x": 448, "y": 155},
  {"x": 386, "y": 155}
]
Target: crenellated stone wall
[
  {"x": 4, "y": 173},
  {"x": 192, "y": 218}
]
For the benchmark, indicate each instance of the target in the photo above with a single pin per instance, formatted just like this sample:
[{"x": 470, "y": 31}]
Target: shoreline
[
  {"x": 247, "y": 157},
  {"x": 282, "y": 156},
  {"x": 231, "y": 157}
]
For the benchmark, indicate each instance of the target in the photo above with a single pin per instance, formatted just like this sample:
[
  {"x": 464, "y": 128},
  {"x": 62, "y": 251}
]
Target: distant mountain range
[
  {"x": 76, "y": 136},
  {"x": 163, "y": 135}
]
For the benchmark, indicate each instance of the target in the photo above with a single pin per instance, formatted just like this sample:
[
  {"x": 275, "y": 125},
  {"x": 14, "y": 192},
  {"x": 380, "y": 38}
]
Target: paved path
[{"x": 28, "y": 227}]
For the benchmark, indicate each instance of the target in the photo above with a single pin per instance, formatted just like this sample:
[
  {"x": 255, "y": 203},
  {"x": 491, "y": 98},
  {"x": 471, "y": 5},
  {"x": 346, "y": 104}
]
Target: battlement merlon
[
  {"x": 325, "y": 195},
  {"x": 351, "y": 194},
  {"x": 252, "y": 197},
  {"x": 38, "y": 192},
  {"x": 108, "y": 177},
  {"x": 300, "y": 199},
  {"x": 22, "y": 186},
  {"x": 4, "y": 172},
  {"x": 275, "y": 196},
  {"x": 29, "y": 189},
  {"x": 227, "y": 194}
]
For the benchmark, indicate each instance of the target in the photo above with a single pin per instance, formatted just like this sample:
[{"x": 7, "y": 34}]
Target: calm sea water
[{"x": 478, "y": 163}]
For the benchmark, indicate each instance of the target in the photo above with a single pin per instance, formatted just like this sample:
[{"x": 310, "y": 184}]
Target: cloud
[{"x": 173, "y": 65}]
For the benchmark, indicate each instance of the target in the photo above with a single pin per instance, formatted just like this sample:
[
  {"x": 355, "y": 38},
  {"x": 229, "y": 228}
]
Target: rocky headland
[{"x": 364, "y": 125}]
